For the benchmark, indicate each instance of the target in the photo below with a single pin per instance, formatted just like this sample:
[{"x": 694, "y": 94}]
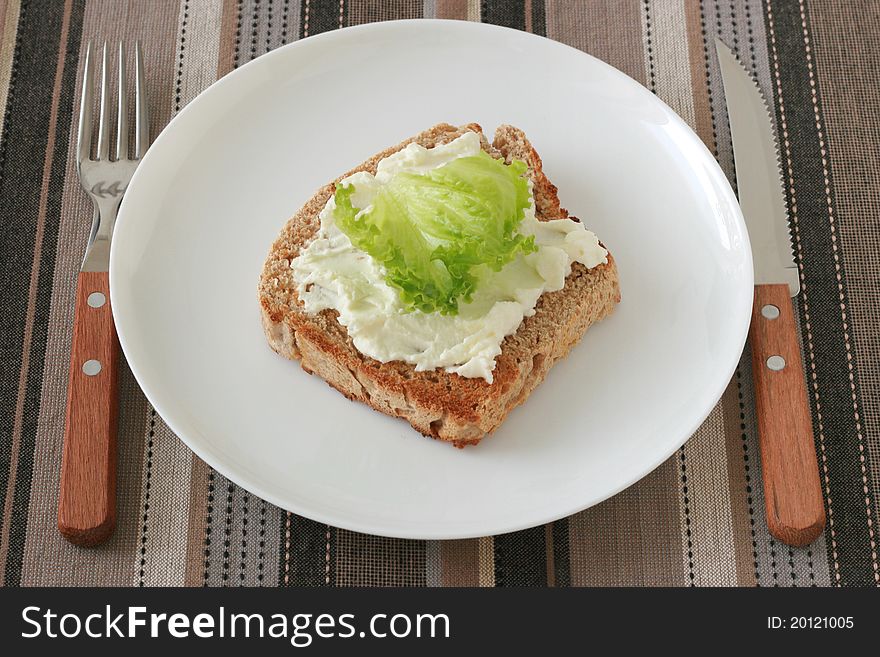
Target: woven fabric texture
[{"x": 696, "y": 520}]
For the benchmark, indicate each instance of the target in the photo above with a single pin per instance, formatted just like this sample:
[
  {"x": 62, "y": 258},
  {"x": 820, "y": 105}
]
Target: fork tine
[
  {"x": 122, "y": 118},
  {"x": 142, "y": 119},
  {"x": 84, "y": 134},
  {"x": 104, "y": 119}
]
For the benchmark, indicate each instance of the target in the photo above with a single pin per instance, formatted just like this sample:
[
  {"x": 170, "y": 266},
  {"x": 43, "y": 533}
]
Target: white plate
[{"x": 221, "y": 180}]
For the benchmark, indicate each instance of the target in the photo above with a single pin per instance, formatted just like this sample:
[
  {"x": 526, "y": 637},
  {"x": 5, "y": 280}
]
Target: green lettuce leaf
[{"x": 434, "y": 232}]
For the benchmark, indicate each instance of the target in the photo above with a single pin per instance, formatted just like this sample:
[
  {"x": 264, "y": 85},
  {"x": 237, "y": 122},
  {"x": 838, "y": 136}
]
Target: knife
[{"x": 792, "y": 490}]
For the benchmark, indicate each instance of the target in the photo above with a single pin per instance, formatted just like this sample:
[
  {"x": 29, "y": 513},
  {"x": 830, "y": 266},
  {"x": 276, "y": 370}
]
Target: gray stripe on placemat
[
  {"x": 521, "y": 558},
  {"x": 365, "y": 560},
  {"x": 234, "y": 536},
  {"x": 706, "y": 497},
  {"x": 167, "y": 466},
  {"x": 812, "y": 562},
  {"x": 433, "y": 565},
  {"x": 705, "y": 503},
  {"x": 846, "y": 64},
  {"x": 22, "y": 155},
  {"x": 198, "y": 45},
  {"x": 308, "y": 554},
  {"x": 536, "y": 17},
  {"x": 740, "y": 481},
  {"x": 9, "y": 10},
  {"x": 606, "y": 29},
  {"x": 634, "y": 538},
  {"x": 631, "y": 539},
  {"x": 669, "y": 52},
  {"x": 771, "y": 559},
  {"x": 735, "y": 24},
  {"x": 824, "y": 302},
  {"x": 18, "y": 241},
  {"x": 319, "y": 16},
  {"x": 507, "y": 13}
]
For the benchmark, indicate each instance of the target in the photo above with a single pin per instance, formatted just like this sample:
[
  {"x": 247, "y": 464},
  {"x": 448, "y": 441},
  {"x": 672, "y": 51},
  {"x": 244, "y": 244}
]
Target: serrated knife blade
[
  {"x": 759, "y": 177},
  {"x": 792, "y": 490}
]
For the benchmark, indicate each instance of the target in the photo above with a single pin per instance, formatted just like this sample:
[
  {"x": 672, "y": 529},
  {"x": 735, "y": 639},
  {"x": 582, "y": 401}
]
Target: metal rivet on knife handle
[{"x": 770, "y": 311}]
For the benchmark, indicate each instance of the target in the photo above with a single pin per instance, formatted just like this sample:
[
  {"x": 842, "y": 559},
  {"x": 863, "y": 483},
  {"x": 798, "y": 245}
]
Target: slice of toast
[{"x": 436, "y": 403}]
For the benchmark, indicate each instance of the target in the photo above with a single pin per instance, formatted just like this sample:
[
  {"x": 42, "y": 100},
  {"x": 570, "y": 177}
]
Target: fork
[{"x": 87, "y": 501}]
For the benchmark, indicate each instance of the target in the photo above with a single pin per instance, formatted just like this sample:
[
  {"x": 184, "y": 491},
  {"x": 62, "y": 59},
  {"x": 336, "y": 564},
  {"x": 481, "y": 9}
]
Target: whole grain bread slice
[{"x": 438, "y": 404}]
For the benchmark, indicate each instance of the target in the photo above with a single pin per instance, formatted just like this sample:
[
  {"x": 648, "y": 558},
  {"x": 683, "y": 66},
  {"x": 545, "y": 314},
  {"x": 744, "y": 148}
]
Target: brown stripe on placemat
[
  {"x": 228, "y": 27},
  {"x": 370, "y": 11},
  {"x": 632, "y": 539},
  {"x": 196, "y": 523},
  {"x": 699, "y": 75},
  {"x": 606, "y": 29},
  {"x": 460, "y": 562},
  {"x": 457, "y": 9},
  {"x": 847, "y": 64},
  {"x": 486, "y": 560}
]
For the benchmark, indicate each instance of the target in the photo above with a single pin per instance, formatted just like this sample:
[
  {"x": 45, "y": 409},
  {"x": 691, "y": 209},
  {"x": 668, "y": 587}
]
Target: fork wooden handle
[
  {"x": 87, "y": 504},
  {"x": 792, "y": 490}
]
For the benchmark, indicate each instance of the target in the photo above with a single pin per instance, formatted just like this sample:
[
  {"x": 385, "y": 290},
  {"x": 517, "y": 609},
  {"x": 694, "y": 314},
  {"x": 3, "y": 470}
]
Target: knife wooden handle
[
  {"x": 87, "y": 504},
  {"x": 792, "y": 490}
]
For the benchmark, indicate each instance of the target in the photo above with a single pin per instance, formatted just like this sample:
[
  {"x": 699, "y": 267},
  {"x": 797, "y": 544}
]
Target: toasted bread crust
[{"x": 436, "y": 403}]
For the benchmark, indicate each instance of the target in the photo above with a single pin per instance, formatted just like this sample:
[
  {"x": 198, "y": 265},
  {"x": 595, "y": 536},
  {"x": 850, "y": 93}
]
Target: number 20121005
[{"x": 810, "y": 622}]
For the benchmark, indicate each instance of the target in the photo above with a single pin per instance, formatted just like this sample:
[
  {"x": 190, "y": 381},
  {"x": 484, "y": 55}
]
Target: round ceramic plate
[{"x": 221, "y": 180}]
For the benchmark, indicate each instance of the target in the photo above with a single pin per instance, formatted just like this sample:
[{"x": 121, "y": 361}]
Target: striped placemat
[{"x": 696, "y": 520}]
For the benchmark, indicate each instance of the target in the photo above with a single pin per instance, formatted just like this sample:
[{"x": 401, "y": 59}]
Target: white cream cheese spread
[{"x": 331, "y": 273}]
